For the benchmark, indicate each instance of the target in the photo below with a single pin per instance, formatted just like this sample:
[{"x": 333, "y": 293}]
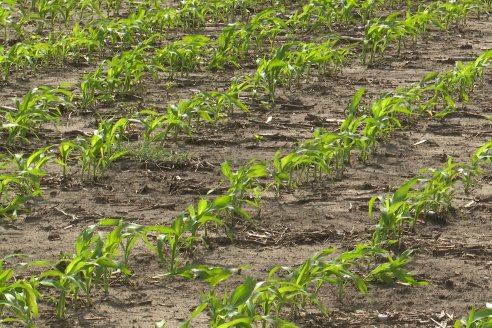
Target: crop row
[
  {"x": 141, "y": 24},
  {"x": 327, "y": 153},
  {"x": 94, "y": 260},
  {"x": 95, "y": 257},
  {"x": 123, "y": 73},
  {"x": 431, "y": 192},
  {"x": 17, "y": 15},
  {"x": 236, "y": 40},
  {"x": 265, "y": 302}
]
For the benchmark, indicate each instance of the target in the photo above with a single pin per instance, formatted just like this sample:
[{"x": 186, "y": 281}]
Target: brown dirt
[{"x": 454, "y": 254}]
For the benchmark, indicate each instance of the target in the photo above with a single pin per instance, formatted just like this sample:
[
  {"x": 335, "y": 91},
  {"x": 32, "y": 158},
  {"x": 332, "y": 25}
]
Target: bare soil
[{"x": 454, "y": 252}]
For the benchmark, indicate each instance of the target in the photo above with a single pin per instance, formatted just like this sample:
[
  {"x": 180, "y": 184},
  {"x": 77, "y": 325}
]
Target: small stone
[
  {"x": 382, "y": 317},
  {"x": 53, "y": 236}
]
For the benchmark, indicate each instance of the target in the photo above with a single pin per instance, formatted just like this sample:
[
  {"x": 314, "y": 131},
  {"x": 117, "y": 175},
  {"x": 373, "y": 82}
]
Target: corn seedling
[
  {"x": 212, "y": 275},
  {"x": 92, "y": 263},
  {"x": 241, "y": 182},
  {"x": 177, "y": 119},
  {"x": 152, "y": 121},
  {"x": 262, "y": 303},
  {"x": 432, "y": 194},
  {"x": 185, "y": 230},
  {"x": 24, "y": 183},
  {"x": 97, "y": 153},
  {"x": 477, "y": 318},
  {"x": 11, "y": 200},
  {"x": 183, "y": 56},
  {"x": 171, "y": 240},
  {"x": 437, "y": 193},
  {"x": 395, "y": 211},
  {"x": 65, "y": 149},
  {"x": 378, "y": 33},
  {"x": 227, "y": 310},
  {"x": 392, "y": 270},
  {"x": 18, "y": 298},
  {"x": 125, "y": 235},
  {"x": 37, "y": 106},
  {"x": 29, "y": 171},
  {"x": 301, "y": 284}
]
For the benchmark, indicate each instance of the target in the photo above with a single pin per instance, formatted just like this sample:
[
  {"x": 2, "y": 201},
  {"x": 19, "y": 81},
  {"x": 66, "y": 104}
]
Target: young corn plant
[
  {"x": 424, "y": 17},
  {"x": 5, "y": 18},
  {"x": 18, "y": 303},
  {"x": 18, "y": 298},
  {"x": 187, "y": 228},
  {"x": 18, "y": 187},
  {"x": 183, "y": 56},
  {"x": 454, "y": 13},
  {"x": 222, "y": 55},
  {"x": 393, "y": 270},
  {"x": 437, "y": 192},
  {"x": 476, "y": 319},
  {"x": 92, "y": 264},
  {"x": 97, "y": 153},
  {"x": 233, "y": 309},
  {"x": 310, "y": 159},
  {"x": 379, "y": 33},
  {"x": 301, "y": 284},
  {"x": 29, "y": 171},
  {"x": 269, "y": 75},
  {"x": 483, "y": 155},
  {"x": 11, "y": 201},
  {"x": 124, "y": 234},
  {"x": 152, "y": 122},
  {"x": 244, "y": 187},
  {"x": 263, "y": 303},
  {"x": 433, "y": 193},
  {"x": 208, "y": 213},
  {"x": 172, "y": 240},
  {"x": 177, "y": 119},
  {"x": 37, "y": 106},
  {"x": 383, "y": 119},
  {"x": 65, "y": 149},
  {"x": 395, "y": 213}
]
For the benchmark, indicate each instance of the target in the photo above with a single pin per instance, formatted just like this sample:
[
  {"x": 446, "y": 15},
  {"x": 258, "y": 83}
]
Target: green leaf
[
  {"x": 351, "y": 109},
  {"x": 247, "y": 321},
  {"x": 430, "y": 77},
  {"x": 402, "y": 193},
  {"x": 371, "y": 205},
  {"x": 222, "y": 202},
  {"x": 75, "y": 265},
  {"x": 226, "y": 169},
  {"x": 202, "y": 205},
  {"x": 117, "y": 155},
  {"x": 243, "y": 292},
  {"x": 195, "y": 313},
  {"x": 482, "y": 314},
  {"x": 257, "y": 171}
]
